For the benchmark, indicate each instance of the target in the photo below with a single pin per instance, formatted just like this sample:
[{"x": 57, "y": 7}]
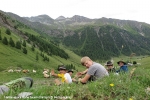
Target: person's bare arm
[
  {"x": 79, "y": 74},
  {"x": 66, "y": 81},
  {"x": 84, "y": 72},
  {"x": 85, "y": 79},
  {"x": 53, "y": 73}
]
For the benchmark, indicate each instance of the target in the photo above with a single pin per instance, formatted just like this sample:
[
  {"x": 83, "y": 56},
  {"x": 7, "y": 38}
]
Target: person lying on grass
[
  {"x": 65, "y": 77},
  {"x": 94, "y": 70}
]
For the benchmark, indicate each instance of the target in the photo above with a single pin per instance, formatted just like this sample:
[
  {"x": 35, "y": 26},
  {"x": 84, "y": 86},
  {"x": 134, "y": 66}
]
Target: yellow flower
[
  {"x": 130, "y": 99},
  {"x": 62, "y": 77},
  {"x": 111, "y": 85}
]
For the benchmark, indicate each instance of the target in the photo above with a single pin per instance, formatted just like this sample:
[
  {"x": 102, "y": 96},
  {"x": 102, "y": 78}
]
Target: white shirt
[{"x": 68, "y": 77}]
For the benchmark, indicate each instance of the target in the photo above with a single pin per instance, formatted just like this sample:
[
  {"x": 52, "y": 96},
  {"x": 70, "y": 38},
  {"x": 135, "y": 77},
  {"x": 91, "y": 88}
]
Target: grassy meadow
[{"x": 129, "y": 86}]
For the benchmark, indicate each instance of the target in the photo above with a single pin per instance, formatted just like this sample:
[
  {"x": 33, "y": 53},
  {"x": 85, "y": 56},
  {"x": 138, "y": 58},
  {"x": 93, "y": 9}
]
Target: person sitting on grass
[
  {"x": 110, "y": 68},
  {"x": 123, "y": 66},
  {"x": 95, "y": 70},
  {"x": 70, "y": 72},
  {"x": 65, "y": 77}
]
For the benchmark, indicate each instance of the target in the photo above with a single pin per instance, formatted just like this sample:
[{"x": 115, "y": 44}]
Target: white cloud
[{"x": 119, "y": 9}]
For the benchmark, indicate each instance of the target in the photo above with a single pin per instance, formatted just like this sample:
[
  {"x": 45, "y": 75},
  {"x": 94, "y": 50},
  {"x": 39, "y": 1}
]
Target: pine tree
[
  {"x": 18, "y": 45},
  {"x": 11, "y": 42},
  {"x": 5, "y": 41},
  {"x": 32, "y": 48},
  {"x": 37, "y": 57},
  {"x": 24, "y": 43},
  {"x": 8, "y": 32},
  {"x": 24, "y": 50}
]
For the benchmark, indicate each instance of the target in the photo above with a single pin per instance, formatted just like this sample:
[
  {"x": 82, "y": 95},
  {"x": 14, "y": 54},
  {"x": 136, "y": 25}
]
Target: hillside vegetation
[
  {"x": 23, "y": 48},
  {"x": 106, "y": 41},
  {"x": 100, "y": 39}
]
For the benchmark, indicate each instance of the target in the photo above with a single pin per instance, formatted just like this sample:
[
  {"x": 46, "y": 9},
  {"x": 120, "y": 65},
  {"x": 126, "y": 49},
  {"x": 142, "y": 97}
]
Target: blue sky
[{"x": 138, "y": 10}]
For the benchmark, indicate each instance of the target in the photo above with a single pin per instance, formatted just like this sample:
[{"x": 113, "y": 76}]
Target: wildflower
[
  {"x": 130, "y": 99},
  {"x": 111, "y": 85}
]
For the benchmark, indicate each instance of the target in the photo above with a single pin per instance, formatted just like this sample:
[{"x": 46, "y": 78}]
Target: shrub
[
  {"x": 18, "y": 45},
  {"x": 8, "y": 32},
  {"x": 5, "y": 41},
  {"x": 24, "y": 50},
  {"x": 11, "y": 42}
]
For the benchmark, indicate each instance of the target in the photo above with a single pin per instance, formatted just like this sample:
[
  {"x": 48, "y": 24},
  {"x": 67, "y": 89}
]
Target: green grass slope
[
  {"x": 12, "y": 58},
  {"x": 115, "y": 87}
]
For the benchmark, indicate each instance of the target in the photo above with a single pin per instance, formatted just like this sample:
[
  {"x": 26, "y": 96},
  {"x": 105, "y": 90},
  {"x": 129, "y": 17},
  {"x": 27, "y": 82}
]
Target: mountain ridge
[
  {"x": 77, "y": 21},
  {"x": 87, "y": 37}
]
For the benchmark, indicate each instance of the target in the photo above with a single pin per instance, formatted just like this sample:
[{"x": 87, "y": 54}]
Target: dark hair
[
  {"x": 109, "y": 63},
  {"x": 62, "y": 68},
  {"x": 122, "y": 62},
  {"x": 70, "y": 70}
]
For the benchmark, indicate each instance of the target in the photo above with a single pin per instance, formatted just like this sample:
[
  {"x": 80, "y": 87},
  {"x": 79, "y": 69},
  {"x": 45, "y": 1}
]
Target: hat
[
  {"x": 108, "y": 63},
  {"x": 121, "y": 61},
  {"x": 70, "y": 70},
  {"x": 62, "y": 68}
]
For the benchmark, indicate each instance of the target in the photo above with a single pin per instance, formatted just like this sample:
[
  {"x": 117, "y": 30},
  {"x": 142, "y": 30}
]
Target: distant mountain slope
[
  {"x": 81, "y": 21},
  {"x": 37, "y": 26},
  {"x": 104, "y": 42},
  {"x": 98, "y": 38},
  {"x": 129, "y": 25},
  {"x": 34, "y": 39}
]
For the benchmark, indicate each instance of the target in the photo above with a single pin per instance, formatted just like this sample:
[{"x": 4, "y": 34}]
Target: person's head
[
  {"x": 62, "y": 70},
  {"x": 109, "y": 65},
  {"x": 121, "y": 63},
  {"x": 70, "y": 72},
  {"x": 86, "y": 61}
]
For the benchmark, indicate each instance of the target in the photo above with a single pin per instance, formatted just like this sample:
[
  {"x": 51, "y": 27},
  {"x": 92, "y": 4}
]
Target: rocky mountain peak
[
  {"x": 45, "y": 19},
  {"x": 60, "y": 18},
  {"x": 78, "y": 18}
]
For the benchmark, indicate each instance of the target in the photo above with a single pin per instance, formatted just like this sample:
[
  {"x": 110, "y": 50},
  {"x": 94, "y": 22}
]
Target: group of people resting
[{"x": 94, "y": 71}]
